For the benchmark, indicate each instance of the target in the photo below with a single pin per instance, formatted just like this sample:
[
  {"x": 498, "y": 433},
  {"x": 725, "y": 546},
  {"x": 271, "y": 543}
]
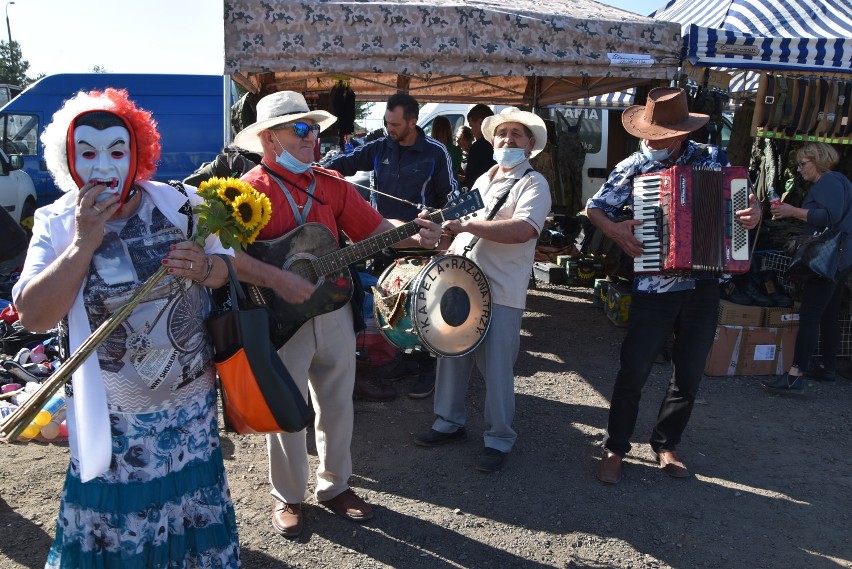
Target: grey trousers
[{"x": 495, "y": 358}]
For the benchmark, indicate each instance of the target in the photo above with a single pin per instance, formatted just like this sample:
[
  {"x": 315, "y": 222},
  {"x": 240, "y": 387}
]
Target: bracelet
[{"x": 209, "y": 270}]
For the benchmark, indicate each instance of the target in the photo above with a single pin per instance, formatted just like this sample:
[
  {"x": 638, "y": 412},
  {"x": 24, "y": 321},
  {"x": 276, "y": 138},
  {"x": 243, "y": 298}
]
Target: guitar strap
[
  {"x": 500, "y": 201},
  {"x": 299, "y": 212}
]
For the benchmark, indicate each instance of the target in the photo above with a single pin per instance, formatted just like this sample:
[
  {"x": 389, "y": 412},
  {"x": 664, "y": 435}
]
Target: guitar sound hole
[{"x": 305, "y": 269}]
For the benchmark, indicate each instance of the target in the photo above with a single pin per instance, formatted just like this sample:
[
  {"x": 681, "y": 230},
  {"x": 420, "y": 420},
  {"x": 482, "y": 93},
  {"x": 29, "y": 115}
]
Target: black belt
[
  {"x": 822, "y": 90},
  {"x": 844, "y": 114},
  {"x": 827, "y": 119},
  {"x": 780, "y": 101},
  {"x": 807, "y": 119},
  {"x": 800, "y": 88},
  {"x": 768, "y": 100},
  {"x": 836, "y": 108}
]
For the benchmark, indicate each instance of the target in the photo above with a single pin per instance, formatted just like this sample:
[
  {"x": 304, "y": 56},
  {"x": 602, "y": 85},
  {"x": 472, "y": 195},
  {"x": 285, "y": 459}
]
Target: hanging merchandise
[
  {"x": 343, "y": 105},
  {"x": 804, "y": 108}
]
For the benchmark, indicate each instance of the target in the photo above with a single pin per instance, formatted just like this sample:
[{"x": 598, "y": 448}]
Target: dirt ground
[{"x": 772, "y": 484}]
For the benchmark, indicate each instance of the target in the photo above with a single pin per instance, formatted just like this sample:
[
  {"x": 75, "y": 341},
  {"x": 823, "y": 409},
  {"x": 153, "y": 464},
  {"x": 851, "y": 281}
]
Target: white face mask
[
  {"x": 288, "y": 161},
  {"x": 103, "y": 155},
  {"x": 509, "y": 157},
  {"x": 657, "y": 155}
]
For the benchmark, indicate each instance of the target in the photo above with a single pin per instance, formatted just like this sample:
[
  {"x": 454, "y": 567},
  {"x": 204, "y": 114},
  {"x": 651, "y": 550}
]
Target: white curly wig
[{"x": 140, "y": 122}]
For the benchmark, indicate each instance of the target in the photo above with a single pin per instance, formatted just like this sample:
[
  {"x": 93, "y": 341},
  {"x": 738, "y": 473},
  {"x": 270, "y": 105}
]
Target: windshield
[{"x": 19, "y": 134}]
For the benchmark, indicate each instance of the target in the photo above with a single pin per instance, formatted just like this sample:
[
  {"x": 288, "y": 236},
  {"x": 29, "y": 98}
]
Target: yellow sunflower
[
  {"x": 232, "y": 189},
  {"x": 247, "y": 211}
]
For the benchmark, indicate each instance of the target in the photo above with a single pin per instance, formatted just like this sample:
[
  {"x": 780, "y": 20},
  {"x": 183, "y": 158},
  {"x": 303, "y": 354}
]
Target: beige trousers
[{"x": 320, "y": 357}]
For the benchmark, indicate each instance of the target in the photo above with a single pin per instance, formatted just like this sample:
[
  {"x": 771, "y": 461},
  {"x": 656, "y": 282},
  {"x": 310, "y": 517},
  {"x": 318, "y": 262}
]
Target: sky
[{"x": 186, "y": 36}]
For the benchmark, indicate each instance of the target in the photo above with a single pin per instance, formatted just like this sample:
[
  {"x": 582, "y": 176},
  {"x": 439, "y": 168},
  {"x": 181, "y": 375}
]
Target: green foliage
[{"x": 13, "y": 67}]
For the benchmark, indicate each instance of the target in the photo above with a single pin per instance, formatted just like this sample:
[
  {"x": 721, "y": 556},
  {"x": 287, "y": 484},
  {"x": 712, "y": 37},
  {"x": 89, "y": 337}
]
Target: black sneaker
[
  {"x": 491, "y": 460},
  {"x": 424, "y": 386},
  {"x": 436, "y": 438},
  {"x": 822, "y": 374},
  {"x": 786, "y": 384},
  {"x": 399, "y": 368}
]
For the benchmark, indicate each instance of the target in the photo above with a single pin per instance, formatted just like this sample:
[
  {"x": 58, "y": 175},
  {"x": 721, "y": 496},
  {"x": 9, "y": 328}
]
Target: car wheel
[{"x": 27, "y": 213}]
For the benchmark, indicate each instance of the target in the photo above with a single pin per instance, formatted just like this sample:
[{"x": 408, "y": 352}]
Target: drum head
[{"x": 451, "y": 305}]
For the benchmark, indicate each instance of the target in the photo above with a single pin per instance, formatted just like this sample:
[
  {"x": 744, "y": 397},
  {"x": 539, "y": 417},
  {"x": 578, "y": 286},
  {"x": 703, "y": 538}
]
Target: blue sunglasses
[{"x": 302, "y": 129}]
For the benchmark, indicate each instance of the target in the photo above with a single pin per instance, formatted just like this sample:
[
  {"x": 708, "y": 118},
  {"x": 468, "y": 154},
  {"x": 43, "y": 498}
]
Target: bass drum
[{"x": 441, "y": 304}]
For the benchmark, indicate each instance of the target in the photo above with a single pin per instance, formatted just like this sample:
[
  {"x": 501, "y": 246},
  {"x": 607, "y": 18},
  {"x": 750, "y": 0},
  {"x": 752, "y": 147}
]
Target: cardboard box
[
  {"x": 617, "y": 307},
  {"x": 778, "y": 316},
  {"x": 732, "y": 314},
  {"x": 751, "y": 350},
  {"x": 549, "y": 273}
]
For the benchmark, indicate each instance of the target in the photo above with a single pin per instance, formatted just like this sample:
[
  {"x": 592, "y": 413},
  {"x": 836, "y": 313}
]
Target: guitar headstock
[{"x": 466, "y": 204}]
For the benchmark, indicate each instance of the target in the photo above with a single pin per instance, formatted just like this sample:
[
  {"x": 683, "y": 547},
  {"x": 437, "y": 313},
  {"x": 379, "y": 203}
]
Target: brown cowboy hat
[{"x": 666, "y": 115}]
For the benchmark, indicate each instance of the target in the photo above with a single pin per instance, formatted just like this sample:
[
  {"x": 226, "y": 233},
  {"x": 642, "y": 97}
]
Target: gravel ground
[{"x": 771, "y": 485}]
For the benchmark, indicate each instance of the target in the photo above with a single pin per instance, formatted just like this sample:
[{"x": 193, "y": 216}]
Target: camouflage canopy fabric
[{"x": 519, "y": 52}]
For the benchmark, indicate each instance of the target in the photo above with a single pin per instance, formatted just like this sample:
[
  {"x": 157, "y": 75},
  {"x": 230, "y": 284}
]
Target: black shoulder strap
[{"x": 495, "y": 209}]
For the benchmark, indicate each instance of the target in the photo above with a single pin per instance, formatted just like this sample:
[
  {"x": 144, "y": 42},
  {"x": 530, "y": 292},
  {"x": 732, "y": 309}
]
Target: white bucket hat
[
  {"x": 513, "y": 114},
  {"x": 279, "y": 108}
]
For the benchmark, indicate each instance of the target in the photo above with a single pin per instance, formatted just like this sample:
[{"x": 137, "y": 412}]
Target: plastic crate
[
  {"x": 777, "y": 263},
  {"x": 845, "y": 339}
]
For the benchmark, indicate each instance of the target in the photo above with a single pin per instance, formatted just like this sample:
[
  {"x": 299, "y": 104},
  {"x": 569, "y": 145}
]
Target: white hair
[{"x": 54, "y": 138}]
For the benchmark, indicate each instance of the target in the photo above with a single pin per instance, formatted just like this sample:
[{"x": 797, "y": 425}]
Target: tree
[{"x": 13, "y": 68}]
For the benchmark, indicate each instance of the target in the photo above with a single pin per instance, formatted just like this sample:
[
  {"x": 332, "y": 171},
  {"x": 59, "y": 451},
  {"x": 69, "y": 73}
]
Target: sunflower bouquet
[{"x": 233, "y": 210}]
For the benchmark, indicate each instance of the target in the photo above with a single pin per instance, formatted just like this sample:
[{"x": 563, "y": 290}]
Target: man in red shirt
[{"x": 321, "y": 354}]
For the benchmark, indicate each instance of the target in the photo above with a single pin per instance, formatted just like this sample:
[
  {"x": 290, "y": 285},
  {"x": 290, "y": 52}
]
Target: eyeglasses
[
  {"x": 802, "y": 163},
  {"x": 302, "y": 129}
]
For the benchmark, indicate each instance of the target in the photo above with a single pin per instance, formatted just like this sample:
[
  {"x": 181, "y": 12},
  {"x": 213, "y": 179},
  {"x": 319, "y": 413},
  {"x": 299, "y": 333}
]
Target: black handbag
[
  {"x": 258, "y": 393},
  {"x": 817, "y": 255}
]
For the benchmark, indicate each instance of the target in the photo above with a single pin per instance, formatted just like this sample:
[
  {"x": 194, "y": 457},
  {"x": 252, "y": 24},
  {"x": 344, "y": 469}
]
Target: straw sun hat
[
  {"x": 513, "y": 114},
  {"x": 279, "y": 108}
]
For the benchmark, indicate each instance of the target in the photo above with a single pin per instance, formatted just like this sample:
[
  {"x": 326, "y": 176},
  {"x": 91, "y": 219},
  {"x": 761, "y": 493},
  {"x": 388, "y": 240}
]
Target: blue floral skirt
[{"x": 163, "y": 503}]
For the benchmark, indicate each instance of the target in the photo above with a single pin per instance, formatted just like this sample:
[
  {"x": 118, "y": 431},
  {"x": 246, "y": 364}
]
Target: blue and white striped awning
[{"x": 782, "y": 35}]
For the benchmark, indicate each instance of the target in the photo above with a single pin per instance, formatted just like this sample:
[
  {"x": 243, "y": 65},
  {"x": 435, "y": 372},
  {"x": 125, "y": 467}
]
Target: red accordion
[{"x": 689, "y": 224}]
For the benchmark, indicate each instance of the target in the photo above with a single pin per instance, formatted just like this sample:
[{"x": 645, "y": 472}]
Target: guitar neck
[{"x": 370, "y": 246}]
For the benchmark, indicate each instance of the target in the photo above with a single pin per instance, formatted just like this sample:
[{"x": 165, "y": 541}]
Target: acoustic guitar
[{"x": 311, "y": 251}]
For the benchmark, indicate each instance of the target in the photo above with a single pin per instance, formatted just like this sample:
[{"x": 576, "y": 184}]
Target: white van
[{"x": 593, "y": 123}]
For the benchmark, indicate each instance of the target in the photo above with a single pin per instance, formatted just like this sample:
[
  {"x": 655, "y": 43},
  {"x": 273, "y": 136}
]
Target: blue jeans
[
  {"x": 691, "y": 315},
  {"x": 819, "y": 317}
]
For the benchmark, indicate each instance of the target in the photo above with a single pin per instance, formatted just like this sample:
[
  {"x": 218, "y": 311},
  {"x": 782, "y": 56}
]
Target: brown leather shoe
[
  {"x": 348, "y": 505},
  {"x": 287, "y": 519},
  {"x": 370, "y": 389},
  {"x": 609, "y": 467},
  {"x": 672, "y": 465}
]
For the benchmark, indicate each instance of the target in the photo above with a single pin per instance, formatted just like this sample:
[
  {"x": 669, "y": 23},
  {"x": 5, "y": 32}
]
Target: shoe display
[
  {"x": 786, "y": 384},
  {"x": 369, "y": 389},
  {"x": 287, "y": 519},
  {"x": 491, "y": 460},
  {"x": 349, "y": 505},
  {"x": 672, "y": 465},
  {"x": 730, "y": 292},
  {"x": 610, "y": 467},
  {"x": 436, "y": 438},
  {"x": 424, "y": 386},
  {"x": 757, "y": 297}
]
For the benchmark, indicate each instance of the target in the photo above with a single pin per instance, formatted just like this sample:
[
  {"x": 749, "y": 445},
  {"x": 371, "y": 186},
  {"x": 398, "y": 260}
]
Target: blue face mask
[
  {"x": 290, "y": 162},
  {"x": 509, "y": 157},
  {"x": 656, "y": 155}
]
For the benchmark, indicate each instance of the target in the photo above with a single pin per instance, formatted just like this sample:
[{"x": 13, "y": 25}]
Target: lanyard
[{"x": 299, "y": 212}]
